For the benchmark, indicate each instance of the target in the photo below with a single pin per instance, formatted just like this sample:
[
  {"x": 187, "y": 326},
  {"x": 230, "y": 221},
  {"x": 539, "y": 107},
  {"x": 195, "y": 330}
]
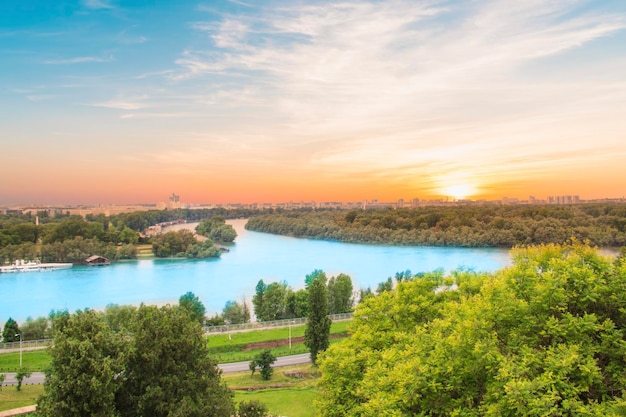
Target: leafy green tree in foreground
[
  {"x": 168, "y": 371},
  {"x": 159, "y": 368},
  {"x": 543, "y": 337},
  {"x": 86, "y": 358},
  {"x": 316, "y": 334}
]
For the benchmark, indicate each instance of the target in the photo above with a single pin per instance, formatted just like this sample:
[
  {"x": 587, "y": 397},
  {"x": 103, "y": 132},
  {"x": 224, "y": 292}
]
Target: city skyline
[{"x": 110, "y": 102}]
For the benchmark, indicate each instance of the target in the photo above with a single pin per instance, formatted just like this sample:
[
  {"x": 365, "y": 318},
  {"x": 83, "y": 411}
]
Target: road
[{"x": 227, "y": 368}]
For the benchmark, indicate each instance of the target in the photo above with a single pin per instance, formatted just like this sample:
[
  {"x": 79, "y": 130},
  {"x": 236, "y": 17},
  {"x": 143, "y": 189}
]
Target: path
[{"x": 227, "y": 368}]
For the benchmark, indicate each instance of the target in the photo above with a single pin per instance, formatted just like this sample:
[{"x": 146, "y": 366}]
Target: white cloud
[
  {"x": 121, "y": 105},
  {"x": 392, "y": 81}
]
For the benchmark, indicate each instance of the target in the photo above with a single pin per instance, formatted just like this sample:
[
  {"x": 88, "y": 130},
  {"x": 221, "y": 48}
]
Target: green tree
[
  {"x": 35, "y": 329},
  {"x": 2, "y": 377},
  {"x": 316, "y": 334},
  {"x": 543, "y": 337},
  {"x": 215, "y": 320},
  {"x": 20, "y": 375},
  {"x": 11, "y": 331},
  {"x": 172, "y": 243},
  {"x": 317, "y": 273},
  {"x": 236, "y": 313},
  {"x": 203, "y": 250},
  {"x": 252, "y": 408},
  {"x": 264, "y": 361},
  {"x": 340, "y": 294},
  {"x": 86, "y": 360},
  {"x": 159, "y": 366},
  {"x": 297, "y": 303},
  {"x": 168, "y": 369},
  {"x": 257, "y": 298},
  {"x": 385, "y": 286},
  {"x": 216, "y": 229},
  {"x": 193, "y": 306},
  {"x": 274, "y": 302},
  {"x": 119, "y": 317}
]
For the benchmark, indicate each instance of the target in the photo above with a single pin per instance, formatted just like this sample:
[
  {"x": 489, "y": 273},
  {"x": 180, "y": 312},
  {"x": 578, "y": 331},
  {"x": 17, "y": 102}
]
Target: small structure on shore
[{"x": 97, "y": 260}]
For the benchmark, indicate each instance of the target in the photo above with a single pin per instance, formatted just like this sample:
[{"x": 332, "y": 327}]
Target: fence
[
  {"x": 31, "y": 344},
  {"x": 268, "y": 324},
  {"x": 26, "y": 345}
]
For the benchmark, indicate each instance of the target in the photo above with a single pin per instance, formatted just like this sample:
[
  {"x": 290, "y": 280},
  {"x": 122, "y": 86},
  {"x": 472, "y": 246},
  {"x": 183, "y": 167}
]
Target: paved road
[{"x": 227, "y": 368}]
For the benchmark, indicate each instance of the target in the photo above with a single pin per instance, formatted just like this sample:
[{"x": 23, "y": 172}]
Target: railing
[
  {"x": 26, "y": 344},
  {"x": 268, "y": 324}
]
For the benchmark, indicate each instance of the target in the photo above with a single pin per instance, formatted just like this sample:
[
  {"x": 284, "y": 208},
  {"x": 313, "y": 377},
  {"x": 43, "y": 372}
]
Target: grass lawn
[
  {"x": 294, "y": 399},
  {"x": 11, "y": 398},
  {"x": 35, "y": 360},
  {"x": 219, "y": 340},
  {"x": 221, "y": 347},
  {"x": 290, "y": 402},
  {"x": 228, "y": 348}
]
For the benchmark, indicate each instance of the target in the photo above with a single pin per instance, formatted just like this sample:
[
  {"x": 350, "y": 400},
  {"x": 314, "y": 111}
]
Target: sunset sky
[{"x": 107, "y": 101}]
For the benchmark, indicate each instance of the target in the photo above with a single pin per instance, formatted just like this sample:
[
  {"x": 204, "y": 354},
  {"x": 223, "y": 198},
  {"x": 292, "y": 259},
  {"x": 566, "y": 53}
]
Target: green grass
[
  {"x": 221, "y": 347},
  {"x": 291, "y": 402},
  {"x": 228, "y": 348},
  {"x": 294, "y": 400},
  {"x": 35, "y": 360},
  {"x": 219, "y": 340},
  {"x": 11, "y": 398}
]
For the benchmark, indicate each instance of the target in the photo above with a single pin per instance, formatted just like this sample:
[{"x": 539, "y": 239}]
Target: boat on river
[{"x": 33, "y": 266}]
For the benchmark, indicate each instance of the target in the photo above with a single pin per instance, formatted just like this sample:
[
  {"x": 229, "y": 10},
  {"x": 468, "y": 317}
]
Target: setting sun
[{"x": 459, "y": 191}]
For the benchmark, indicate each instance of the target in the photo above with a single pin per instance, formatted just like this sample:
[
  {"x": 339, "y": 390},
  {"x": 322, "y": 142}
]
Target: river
[{"x": 252, "y": 257}]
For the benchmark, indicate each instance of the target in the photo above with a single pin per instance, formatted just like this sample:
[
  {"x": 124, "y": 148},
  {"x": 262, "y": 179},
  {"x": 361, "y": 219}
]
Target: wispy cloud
[
  {"x": 97, "y": 4},
  {"x": 120, "y": 104},
  {"x": 77, "y": 60},
  {"x": 39, "y": 97},
  {"x": 157, "y": 115},
  {"x": 389, "y": 80}
]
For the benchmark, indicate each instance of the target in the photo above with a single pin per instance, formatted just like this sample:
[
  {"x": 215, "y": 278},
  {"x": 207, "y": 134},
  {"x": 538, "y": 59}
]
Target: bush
[{"x": 252, "y": 408}]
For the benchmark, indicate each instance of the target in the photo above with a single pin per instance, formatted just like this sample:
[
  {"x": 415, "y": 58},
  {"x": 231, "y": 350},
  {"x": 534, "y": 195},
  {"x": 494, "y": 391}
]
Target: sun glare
[{"x": 459, "y": 191}]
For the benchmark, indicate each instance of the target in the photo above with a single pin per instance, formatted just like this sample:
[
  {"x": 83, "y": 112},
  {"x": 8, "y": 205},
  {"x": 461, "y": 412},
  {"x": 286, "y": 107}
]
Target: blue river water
[{"x": 254, "y": 256}]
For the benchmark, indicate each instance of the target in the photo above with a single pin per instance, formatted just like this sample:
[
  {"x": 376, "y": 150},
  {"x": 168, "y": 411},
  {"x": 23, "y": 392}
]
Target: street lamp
[
  {"x": 20, "y": 335},
  {"x": 290, "y": 335}
]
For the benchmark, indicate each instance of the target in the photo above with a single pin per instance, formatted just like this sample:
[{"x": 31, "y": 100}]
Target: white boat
[{"x": 33, "y": 266}]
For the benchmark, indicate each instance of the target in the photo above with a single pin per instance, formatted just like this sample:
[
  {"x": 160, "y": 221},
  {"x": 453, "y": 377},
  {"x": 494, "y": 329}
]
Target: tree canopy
[
  {"x": 193, "y": 306},
  {"x": 216, "y": 229},
  {"x": 470, "y": 226},
  {"x": 317, "y": 331},
  {"x": 11, "y": 331},
  {"x": 543, "y": 337},
  {"x": 157, "y": 366}
]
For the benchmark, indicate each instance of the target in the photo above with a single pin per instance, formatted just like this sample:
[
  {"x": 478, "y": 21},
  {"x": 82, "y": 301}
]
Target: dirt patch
[
  {"x": 258, "y": 387},
  {"x": 284, "y": 342}
]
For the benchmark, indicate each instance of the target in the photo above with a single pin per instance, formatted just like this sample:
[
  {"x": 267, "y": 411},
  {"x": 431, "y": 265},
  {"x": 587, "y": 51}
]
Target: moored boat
[{"x": 33, "y": 266}]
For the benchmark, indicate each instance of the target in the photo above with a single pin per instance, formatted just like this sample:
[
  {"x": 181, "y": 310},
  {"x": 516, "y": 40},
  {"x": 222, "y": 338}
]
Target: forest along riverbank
[{"x": 233, "y": 276}]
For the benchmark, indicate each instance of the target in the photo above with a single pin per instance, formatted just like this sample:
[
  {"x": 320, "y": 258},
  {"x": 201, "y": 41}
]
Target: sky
[{"x": 118, "y": 102}]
